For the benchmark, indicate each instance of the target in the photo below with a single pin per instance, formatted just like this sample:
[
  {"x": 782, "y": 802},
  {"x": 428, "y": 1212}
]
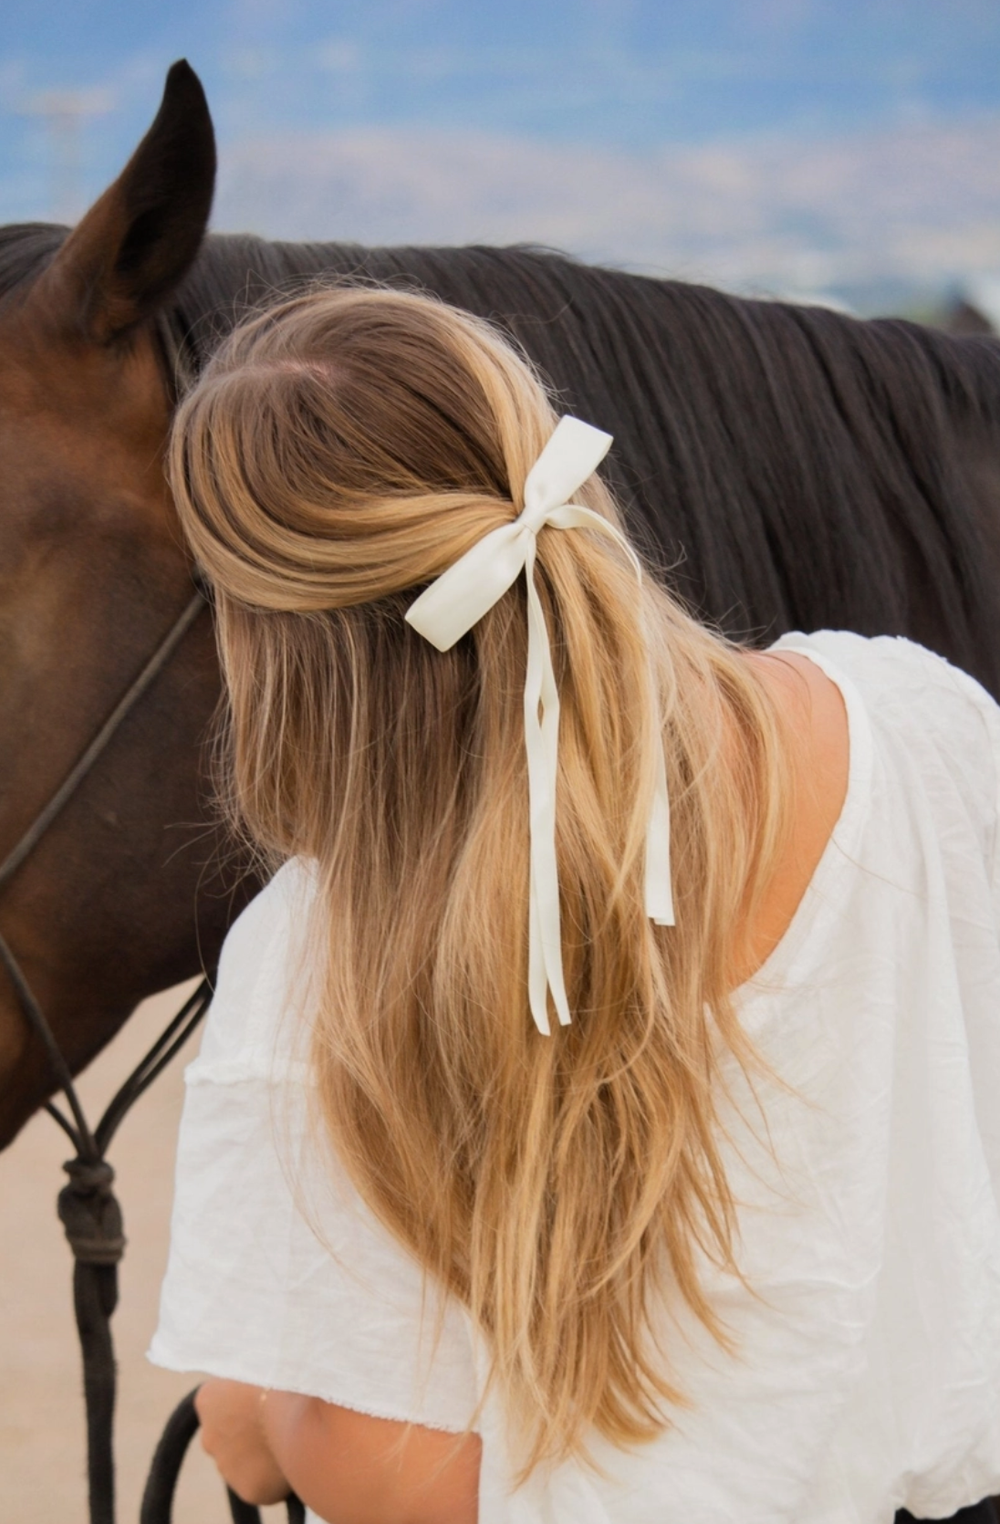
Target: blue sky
[
  {"x": 634, "y": 78},
  {"x": 623, "y": 72}
]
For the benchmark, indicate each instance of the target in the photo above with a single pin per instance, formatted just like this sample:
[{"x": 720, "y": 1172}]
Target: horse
[{"x": 781, "y": 466}]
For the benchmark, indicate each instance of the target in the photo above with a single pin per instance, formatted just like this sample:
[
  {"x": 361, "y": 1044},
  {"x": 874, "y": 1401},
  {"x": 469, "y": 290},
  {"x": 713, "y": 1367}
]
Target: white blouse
[{"x": 866, "y": 1375}]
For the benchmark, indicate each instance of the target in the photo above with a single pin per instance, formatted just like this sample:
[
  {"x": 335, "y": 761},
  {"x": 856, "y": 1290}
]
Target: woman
[{"x": 547, "y": 1157}]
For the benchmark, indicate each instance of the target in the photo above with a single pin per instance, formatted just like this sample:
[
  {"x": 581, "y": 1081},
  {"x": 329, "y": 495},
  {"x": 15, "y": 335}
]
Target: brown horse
[
  {"x": 113, "y": 900},
  {"x": 791, "y": 467}
]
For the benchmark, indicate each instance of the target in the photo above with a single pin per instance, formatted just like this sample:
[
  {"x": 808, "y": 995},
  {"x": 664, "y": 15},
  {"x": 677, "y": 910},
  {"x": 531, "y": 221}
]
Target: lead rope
[
  {"x": 92, "y": 1219},
  {"x": 85, "y": 762},
  {"x": 88, "y": 1208}
]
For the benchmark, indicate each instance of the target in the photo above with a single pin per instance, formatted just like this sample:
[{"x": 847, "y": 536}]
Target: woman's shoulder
[
  {"x": 890, "y": 666},
  {"x": 273, "y": 909},
  {"x": 923, "y": 742},
  {"x": 934, "y": 736},
  {"x": 913, "y": 696},
  {"x": 261, "y": 979}
]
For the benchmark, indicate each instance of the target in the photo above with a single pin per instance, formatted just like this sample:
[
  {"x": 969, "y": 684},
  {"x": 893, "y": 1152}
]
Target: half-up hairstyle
[{"x": 340, "y": 451}]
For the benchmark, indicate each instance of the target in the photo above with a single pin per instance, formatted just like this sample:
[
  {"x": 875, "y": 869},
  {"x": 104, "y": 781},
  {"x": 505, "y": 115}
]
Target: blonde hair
[{"x": 341, "y": 450}]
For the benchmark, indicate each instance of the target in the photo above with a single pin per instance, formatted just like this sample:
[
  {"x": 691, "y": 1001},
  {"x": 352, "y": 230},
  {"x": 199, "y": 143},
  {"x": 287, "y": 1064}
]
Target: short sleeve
[{"x": 278, "y": 1274}]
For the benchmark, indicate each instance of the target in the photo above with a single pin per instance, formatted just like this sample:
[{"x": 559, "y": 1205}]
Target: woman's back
[{"x": 866, "y": 1369}]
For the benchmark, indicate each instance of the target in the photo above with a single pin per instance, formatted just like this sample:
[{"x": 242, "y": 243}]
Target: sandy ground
[{"x": 42, "y": 1444}]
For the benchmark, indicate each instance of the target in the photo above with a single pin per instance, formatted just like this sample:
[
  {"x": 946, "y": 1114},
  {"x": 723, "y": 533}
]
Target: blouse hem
[{"x": 226, "y": 1369}]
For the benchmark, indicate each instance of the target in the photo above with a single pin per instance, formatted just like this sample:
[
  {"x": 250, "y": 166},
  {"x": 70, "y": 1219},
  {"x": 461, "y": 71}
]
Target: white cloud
[
  {"x": 339, "y": 55},
  {"x": 917, "y": 204}
]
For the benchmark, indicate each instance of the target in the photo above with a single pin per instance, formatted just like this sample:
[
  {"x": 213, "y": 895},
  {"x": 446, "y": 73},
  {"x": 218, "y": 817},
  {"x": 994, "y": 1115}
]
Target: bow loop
[
  {"x": 470, "y": 587},
  {"x": 570, "y": 458}
]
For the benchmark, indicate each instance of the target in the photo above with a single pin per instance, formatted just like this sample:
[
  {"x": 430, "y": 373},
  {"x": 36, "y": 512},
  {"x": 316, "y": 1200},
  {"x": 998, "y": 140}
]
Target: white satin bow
[{"x": 457, "y": 600}]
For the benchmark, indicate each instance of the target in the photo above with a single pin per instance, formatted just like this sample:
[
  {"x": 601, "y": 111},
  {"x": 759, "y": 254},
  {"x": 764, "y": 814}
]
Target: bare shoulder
[{"x": 819, "y": 750}]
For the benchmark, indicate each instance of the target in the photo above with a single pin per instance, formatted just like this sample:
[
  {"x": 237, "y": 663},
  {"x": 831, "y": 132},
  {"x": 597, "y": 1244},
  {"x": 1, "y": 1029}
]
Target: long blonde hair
[{"x": 341, "y": 450}]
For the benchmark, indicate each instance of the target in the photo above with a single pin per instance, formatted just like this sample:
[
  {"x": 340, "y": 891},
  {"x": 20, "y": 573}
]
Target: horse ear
[{"x": 136, "y": 243}]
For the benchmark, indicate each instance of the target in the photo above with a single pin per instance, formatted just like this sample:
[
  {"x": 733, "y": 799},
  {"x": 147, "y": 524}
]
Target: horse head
[{"x": 93, "y": 571}]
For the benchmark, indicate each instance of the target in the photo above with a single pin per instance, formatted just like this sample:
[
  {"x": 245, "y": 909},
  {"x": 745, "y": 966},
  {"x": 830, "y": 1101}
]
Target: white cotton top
[{"x": 866, "y": 1376}]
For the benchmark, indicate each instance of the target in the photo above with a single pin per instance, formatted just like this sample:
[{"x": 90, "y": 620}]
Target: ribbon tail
[
  {"x": 538, "y": 981},
  {"x": 658, "y": 888},
  {"x": 541, "y": 737}
]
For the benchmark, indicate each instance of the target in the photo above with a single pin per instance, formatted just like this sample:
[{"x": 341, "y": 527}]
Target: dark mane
[
  {"x": 25, "y": 247},
  {"x": 787, "y": 467}
]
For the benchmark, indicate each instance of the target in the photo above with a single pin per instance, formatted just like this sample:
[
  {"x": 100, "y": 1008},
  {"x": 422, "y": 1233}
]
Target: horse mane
[
  {"x": 784, "y": 466},
  {"x": 25, "y": 248}
]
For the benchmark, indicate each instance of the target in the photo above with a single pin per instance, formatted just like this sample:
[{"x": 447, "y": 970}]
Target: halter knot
[{"x": 90, "y": 1213}]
